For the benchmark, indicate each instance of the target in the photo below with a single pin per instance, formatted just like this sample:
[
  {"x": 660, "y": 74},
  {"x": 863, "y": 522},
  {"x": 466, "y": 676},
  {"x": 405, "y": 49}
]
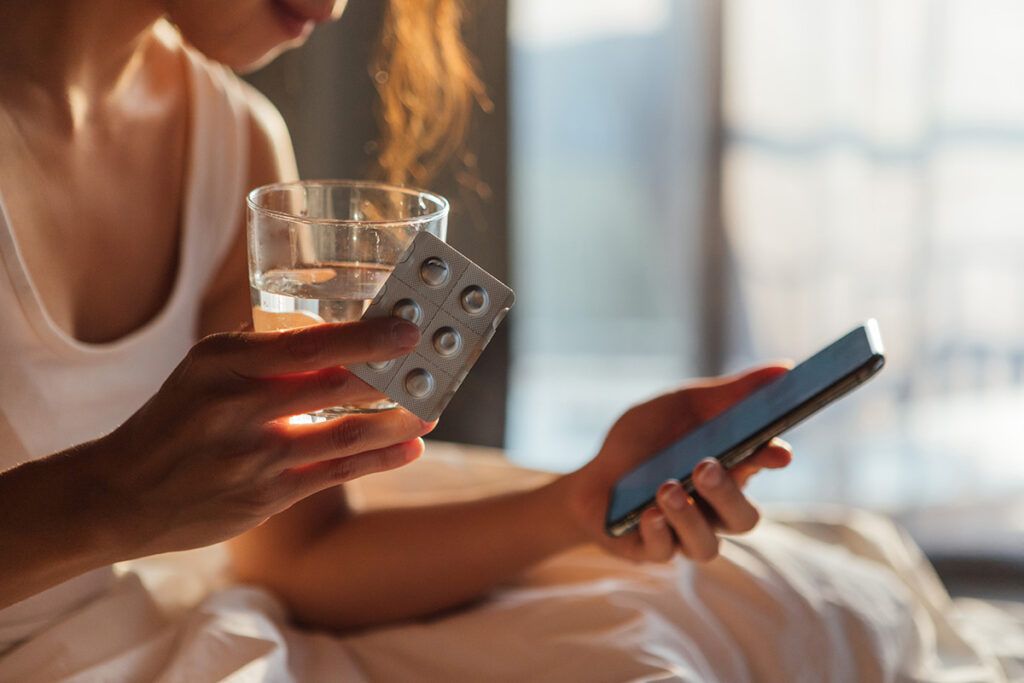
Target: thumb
[
  {"x": 661, "y": 420},
  {"x": 714, "y": 396},
  {"x": 749, "y": 381}
]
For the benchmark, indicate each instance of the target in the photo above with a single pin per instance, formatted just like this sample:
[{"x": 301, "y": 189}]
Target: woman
[
  {"x": 125, "y": 155},
  {"x": 109, "y": 121}
]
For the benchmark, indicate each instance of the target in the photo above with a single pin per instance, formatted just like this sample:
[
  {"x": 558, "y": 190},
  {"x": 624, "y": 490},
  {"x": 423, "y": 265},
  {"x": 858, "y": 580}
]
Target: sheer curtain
[
  {"x": 610, "y": 120},
  {"x": 874, "y": 167}
]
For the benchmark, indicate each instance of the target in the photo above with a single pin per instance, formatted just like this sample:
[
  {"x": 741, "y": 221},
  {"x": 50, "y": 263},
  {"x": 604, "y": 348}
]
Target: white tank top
[{"x": 56, "y": 391}]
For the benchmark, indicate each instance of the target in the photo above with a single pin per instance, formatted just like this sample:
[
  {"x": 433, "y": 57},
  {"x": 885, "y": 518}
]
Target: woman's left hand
[{"x": 676, "y": 523}]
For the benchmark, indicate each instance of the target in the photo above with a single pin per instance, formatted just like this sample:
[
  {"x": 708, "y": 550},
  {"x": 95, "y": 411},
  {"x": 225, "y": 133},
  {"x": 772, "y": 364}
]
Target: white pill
[
  {"x": 434, "y": 271},
  {"x": 474, "y": 300},
  {"x": 380, "y": 365},
  {"x": 447, "y": 341},
  {"x": 407, "y": 309},
  {"x": 419, "y": 383}
]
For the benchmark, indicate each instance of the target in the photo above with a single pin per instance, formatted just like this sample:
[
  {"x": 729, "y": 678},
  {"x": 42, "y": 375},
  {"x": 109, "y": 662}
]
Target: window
[
  {"x": 874, "y": 166},
  {"x": 608, "y": 192}
]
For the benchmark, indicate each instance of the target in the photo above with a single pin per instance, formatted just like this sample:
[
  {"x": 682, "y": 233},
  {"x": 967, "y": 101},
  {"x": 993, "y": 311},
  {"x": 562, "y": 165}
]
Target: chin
[
  {"x": 243, "y": 58},
  {"x": 244, "y": 40},
  {"x": 251, "y": 61}
]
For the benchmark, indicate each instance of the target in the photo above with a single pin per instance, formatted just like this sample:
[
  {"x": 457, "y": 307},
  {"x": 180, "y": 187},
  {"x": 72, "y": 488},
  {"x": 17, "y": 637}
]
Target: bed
[{"x": 823, "y": 594}]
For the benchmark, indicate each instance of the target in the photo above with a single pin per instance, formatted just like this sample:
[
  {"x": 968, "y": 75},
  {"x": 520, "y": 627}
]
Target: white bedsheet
[{"x": 834, "y": 595}]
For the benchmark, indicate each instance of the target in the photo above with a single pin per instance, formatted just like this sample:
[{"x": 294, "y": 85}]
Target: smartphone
[{"x": 740, "y": 431}]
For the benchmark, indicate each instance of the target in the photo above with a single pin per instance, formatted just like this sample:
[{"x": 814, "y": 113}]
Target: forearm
[
  {"x": 53, "y": 526},
  {"x": 390, "y": 565}
]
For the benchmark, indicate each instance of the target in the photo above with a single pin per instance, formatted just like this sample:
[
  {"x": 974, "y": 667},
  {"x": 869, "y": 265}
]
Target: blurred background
[{"x": 685, "y": 187}]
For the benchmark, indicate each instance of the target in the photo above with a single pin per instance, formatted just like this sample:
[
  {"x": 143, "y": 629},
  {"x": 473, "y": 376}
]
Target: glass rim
[{"x": 442, "y": 211}]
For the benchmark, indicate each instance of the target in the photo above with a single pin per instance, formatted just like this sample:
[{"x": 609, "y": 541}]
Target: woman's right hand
[{"x": 212, "y": 455}]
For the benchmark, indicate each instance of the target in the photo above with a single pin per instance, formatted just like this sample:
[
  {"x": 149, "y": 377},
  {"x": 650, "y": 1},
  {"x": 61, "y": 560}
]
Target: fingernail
[
  {"x": 674, "y": 496},
  {"x": 405, "y": 333},
  {"x": 657, "y": 520},
  {"x": 709, "y": 473}
]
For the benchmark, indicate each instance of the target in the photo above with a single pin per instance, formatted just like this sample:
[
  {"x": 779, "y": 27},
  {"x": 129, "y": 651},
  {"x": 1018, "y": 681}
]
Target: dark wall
[{"x": 325, "y": 93}]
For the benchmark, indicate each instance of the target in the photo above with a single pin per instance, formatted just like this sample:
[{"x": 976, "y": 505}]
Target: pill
[
  {"x": 447, "y": 341},
  {"x": 434, "y": 271},
  {"x": 474, "y": 300},
  {"x": 419, "y": 383},
  {"x": 455, "y": 304},
  {"x": 407, "y": 309}
]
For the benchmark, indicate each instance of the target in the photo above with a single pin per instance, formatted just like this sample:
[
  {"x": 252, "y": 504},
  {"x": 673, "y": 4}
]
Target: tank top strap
[{"x": 217, "y": 188}]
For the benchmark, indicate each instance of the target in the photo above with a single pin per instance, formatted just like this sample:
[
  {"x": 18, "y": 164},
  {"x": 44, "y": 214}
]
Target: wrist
[
  {"x": 106, "y": 518},
  {"x": 560, "y": 512},
  {"x": 48, "y": 523},
  {"x": 52, "y": 530}
]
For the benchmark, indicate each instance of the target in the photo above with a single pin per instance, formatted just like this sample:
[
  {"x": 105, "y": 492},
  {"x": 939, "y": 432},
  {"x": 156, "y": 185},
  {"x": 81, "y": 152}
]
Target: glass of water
[{"x": 319, "y": 251}]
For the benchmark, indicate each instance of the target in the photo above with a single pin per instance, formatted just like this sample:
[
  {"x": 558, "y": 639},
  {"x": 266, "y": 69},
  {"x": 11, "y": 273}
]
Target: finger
[
  {"x": 695, "y": 535},
  {"x": 305, "y": 349},
  {"x": 662, "y": 420},
  {"x": 712, "y": 397},
  {"x": 308, "y": 480},
  {"x": 775, "y": 455},
  {"x": 659, "y": 545},
  {"x": 295, "y": 394},
  {"x": 723, "y": 495},
  {"x": 349, "y": 435}
]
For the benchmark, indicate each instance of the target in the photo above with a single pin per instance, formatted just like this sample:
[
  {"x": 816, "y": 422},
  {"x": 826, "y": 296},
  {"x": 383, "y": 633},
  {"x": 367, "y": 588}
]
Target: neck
[{"x": 73, "y": 52}]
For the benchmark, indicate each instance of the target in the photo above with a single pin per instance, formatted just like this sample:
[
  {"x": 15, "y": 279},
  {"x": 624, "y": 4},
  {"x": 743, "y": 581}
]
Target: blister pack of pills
[{"x": 456, "y": 304}]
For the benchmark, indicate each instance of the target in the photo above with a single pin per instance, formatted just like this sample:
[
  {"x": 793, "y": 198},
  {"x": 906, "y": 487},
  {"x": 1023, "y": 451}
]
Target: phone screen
[{"x": 748, "y": 418}]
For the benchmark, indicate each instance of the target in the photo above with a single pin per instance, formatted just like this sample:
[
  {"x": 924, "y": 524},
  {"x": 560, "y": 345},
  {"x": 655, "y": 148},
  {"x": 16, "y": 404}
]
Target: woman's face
[{"x": 245, "y": 34}]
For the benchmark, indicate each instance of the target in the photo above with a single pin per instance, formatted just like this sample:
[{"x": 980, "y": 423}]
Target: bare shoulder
[{"x": 271, "y": 157}]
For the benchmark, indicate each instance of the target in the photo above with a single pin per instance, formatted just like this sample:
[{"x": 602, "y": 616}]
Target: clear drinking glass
[{"x": 320, "y": 250}]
